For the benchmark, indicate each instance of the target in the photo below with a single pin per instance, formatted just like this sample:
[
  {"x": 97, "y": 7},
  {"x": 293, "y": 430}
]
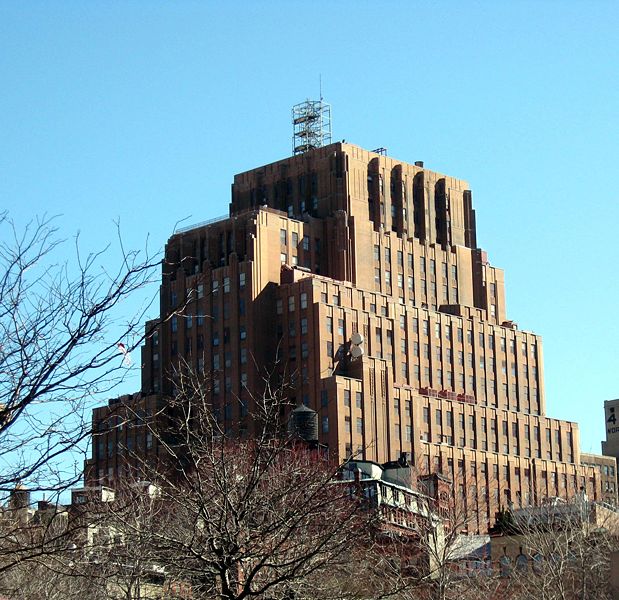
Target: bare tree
[
  {"x": 119, "y": 550},
  {"x": 60, "y": 332},
  {"x": 261, "y": 517},
  {"x": 61, "y": 328},
  {"x": 559, "y": 550},
  {"x": 46, "y": 578}
]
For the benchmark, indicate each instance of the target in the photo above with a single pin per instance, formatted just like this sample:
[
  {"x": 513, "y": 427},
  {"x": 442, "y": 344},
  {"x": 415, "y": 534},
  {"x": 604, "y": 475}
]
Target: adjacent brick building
[{"x": 337, "y": 241}]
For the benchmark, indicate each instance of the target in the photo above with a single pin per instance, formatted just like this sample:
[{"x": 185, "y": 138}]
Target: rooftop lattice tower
[{"x": 311, "y": 124}]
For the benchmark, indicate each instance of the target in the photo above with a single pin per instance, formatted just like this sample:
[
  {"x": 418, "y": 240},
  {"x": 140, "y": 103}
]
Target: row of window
[
  {"x": 216, "y": 286},
  {"x": 445, "y": 419},
  {"x": 292, "y": 302},
  {"x": 502, "y": 475},
  {"x": 283, "y": 190},
  {"x": 121, "y": 447},
  {"x": 445, "y": 270},
  {"x": 305, "y": 240}
]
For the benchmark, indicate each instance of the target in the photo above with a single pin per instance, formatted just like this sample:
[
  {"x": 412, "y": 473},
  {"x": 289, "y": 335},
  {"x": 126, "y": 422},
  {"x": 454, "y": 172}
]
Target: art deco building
[{"x": 339, "y": 240}]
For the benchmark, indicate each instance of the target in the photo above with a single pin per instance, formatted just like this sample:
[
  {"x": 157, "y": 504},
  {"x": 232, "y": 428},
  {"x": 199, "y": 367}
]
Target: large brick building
[{"x": 336, "y": 241}]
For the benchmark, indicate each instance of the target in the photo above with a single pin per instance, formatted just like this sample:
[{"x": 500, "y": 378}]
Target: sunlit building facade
[{"x": 340, "y": 241}]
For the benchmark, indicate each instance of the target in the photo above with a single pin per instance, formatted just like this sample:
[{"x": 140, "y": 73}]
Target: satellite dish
[
  {"x": 356, "y": 352},
  {"x": 356, "y": 339}
]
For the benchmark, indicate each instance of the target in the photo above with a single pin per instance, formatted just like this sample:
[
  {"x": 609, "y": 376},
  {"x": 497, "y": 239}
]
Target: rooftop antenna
[{"x": 311, "y": 124}]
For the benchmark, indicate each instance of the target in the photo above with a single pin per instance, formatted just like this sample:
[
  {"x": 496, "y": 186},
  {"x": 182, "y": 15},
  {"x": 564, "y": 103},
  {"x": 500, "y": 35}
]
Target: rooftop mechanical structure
[{"x": 311, "y": 123}]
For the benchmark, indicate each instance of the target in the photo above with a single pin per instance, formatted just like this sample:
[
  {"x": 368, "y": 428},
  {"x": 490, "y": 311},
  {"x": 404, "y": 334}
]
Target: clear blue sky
[{"x": 143, "y": 111}]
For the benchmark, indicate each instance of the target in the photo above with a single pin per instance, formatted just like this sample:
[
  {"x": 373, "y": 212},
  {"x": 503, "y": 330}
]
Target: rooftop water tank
[{"x": 303, "y": 423}]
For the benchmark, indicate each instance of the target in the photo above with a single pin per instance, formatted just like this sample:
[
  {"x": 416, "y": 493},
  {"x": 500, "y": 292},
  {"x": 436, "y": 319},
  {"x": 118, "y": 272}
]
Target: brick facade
[{"x": 341, "y": 240}]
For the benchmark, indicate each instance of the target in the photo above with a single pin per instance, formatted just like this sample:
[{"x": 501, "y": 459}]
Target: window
[
  {"x": 226, "y": 285},
  {"x": 283, "y": 237},
  {"x": 291, "y": 304},
  {"x": 303, "y": 326},
  {"x": 325, "y": 424},
  {"x": 306, "y": 243},
  {"x": 174, "y": 324},
  {"x": 243, "y": 357},
  {"x": 359, "y": 425},
  {"x": 279, "y": 306},
  {"x": 242, "y": 280},
  {"x": 358, "y": 399},
  {"x": 376, "y": 252},
  {"x": 242, "y": 332},
  {"x": 303, "y": 299},
  {"x": 295, "y": 239},
  {"x": 346, "y": 397}
]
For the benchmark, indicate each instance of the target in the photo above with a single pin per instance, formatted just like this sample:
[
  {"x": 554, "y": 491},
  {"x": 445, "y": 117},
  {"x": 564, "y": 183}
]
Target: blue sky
[{"x": 143, "y": 112}]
